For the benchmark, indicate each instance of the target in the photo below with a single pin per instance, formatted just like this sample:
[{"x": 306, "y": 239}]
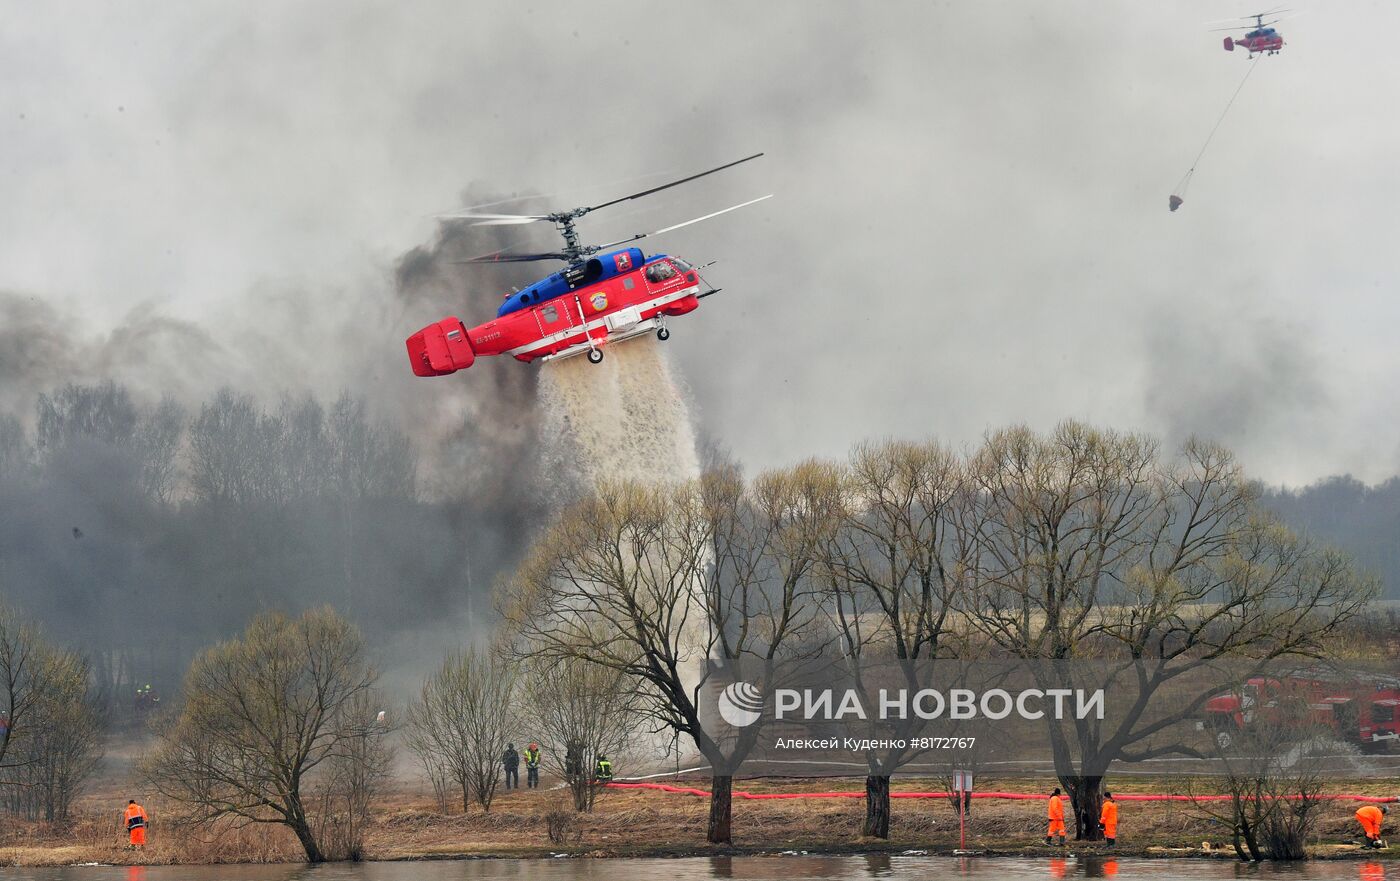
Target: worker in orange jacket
[
  {"x": 1055, "y": 813},
  {"x": 1108, "y": 818},
  {"x": 1370, "y": 816},
  {"x": 135, "y": 823}
]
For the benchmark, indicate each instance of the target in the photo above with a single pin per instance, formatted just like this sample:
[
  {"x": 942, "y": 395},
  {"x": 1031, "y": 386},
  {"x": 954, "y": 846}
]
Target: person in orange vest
[
  {"x": 1055, "y": 813},
  {"x": 1370, "y": 816},
  {"x": 1108, "y": 818},
  {"x": 136, "y": 823}
]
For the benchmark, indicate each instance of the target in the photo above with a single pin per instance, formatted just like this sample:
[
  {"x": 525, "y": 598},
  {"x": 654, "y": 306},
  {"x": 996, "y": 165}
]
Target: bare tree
[
  {"x": 581, "y": 711},
  {"x": 25, "y": 668},
  {"x": 892, "y": 567},
  {"x": 367, "y": 460},
  {"x": 158, "y": 436},
  {"x": 262, "y": 714},
  {"x": 233, "y": 451},
  {"x": 353, "y": 775},
  {"x": 461, "y": 721},
  {"x": 16, "y": 453},
  {"x": 1273, "y": 781},
  {"x": 1089, "y": 546},
  {"x": 656, "y": 581},
  {"x": 48, "y": 728},
  {"x": 58, "y": 745}
]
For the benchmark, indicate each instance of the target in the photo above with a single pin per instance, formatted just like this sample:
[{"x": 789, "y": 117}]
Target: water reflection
[{"x": 769, "y": 868}]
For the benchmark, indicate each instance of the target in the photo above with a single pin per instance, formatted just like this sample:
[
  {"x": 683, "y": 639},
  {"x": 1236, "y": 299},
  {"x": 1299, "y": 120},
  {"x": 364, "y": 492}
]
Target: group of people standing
[
  {"x": 1055, "y": 813},
  {"x": 1369, "y": 816},
  {"x": 573, "y": 766}
]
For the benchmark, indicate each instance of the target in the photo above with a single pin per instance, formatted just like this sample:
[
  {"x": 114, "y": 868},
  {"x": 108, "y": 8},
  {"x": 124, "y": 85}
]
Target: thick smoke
[
  {"x": 42, "y": 347},
  {"x": 1235, "y": 383},
  {"x": 269, "y": 393}
]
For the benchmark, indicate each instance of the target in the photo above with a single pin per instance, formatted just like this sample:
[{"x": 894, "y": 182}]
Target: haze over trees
[
  {"x": 1078, "y": 545},
  {"x": 1362, "y": 520},
  {"x": 143, "y": 532}
]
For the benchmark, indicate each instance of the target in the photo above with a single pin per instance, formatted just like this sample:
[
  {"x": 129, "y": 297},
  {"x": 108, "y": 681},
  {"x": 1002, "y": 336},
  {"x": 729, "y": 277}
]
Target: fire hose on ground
[{"x": 1011, "y": 796}]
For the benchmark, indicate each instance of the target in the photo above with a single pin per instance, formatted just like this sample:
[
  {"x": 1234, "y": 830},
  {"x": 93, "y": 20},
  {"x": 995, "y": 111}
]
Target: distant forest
[
  {"x": 141, "y": 534},
  {"x": 1362, "y": 520}
]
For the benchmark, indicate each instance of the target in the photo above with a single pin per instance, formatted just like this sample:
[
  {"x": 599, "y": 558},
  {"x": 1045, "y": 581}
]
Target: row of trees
[
  {"x": 285, "y": 725},
  {"x": 143, "y": 532},
  {"x": 478, "y": 701},
  {"x": 1360, "y": 519},
  {"x": 1079, "y": 544}
]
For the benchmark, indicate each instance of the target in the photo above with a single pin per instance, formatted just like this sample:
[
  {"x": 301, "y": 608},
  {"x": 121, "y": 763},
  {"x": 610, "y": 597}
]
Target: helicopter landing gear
[
  {"x": 595, "y": 356},
  {"x": 663, "y": 334}
]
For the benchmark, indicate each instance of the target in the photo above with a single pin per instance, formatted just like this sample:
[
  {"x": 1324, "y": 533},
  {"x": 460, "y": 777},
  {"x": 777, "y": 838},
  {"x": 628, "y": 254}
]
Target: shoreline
[
  {"x": 1327, "y": 853},
  {"x": 408, "y": 824}
]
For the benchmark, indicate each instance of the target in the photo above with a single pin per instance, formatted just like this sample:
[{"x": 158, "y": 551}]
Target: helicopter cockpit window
[
  {"x": 658, "y": 272},
  {"x": 682, "y": 265}
]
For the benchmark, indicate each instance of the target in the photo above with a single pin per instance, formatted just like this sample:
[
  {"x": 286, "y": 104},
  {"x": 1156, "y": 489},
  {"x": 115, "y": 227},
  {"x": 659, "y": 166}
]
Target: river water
[{"x": 776, "y": 868}]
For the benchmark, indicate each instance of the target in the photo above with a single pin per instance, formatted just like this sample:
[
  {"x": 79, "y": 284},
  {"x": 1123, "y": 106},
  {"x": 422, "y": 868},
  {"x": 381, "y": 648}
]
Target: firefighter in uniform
[
  {"x": 1055, "y": 813},
  {"x": 532, "y": 766},
  {"x": 135, "y": 824},
  {"x": 1108, "y": 818},
  {"x": 1370, "y": 818},
  {"x": 603, "y": 773}
]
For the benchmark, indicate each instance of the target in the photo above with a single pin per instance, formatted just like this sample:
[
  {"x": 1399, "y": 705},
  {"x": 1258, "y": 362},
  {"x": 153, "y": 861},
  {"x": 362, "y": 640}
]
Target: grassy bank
[{"x": 407, "y": 824}]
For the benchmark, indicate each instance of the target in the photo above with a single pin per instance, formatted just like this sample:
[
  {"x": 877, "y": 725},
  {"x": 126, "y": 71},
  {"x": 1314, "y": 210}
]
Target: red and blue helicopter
[
  {"x": 601, "y": 297},
  {"x": 1261, "y": 37}
]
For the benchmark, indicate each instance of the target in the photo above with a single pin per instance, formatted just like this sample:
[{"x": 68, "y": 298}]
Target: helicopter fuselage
[
  {"x": 1261, "y": 40},
  {"x": 606, "y": 299}
]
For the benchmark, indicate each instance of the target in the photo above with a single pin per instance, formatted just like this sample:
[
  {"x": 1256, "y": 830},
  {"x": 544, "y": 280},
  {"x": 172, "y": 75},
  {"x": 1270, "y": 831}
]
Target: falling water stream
[{"x": 624, "y": 419}]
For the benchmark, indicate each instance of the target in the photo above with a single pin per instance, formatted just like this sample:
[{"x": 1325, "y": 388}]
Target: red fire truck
[{"x": 1358, "y": 708}]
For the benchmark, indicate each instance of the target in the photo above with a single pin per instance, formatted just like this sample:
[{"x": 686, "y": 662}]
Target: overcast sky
[{"x": 970, "y": 227}]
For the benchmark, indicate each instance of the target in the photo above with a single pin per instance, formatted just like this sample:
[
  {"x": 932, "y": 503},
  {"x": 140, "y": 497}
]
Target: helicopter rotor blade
[
  {"x": 493, "y": 219},
  {"x": 658, "y": 232},
  {"x": 651, "y": 175},
  {"x": 672, "y": 184},
  {"x": 510, "y": 258},
  {"x": 1246, "y": 17}
]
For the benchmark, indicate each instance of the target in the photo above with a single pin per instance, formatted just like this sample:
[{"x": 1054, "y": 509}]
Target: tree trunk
[
  {"x": 297, "y": 820},
  {"x": 877, "y": 806},
  {"x": 1086, "y": 798},
  {"x": 1251, "y": 840},
  {"x": 721, "y": 810},
  {"x": 466, "y": 798}
]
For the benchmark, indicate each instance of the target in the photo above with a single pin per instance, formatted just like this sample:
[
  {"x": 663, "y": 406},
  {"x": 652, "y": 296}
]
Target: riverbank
[{"x": 407, "y": 825}]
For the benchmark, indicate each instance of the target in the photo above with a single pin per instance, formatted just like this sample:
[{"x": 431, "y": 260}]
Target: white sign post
[{"x": 962, "y": 788}]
